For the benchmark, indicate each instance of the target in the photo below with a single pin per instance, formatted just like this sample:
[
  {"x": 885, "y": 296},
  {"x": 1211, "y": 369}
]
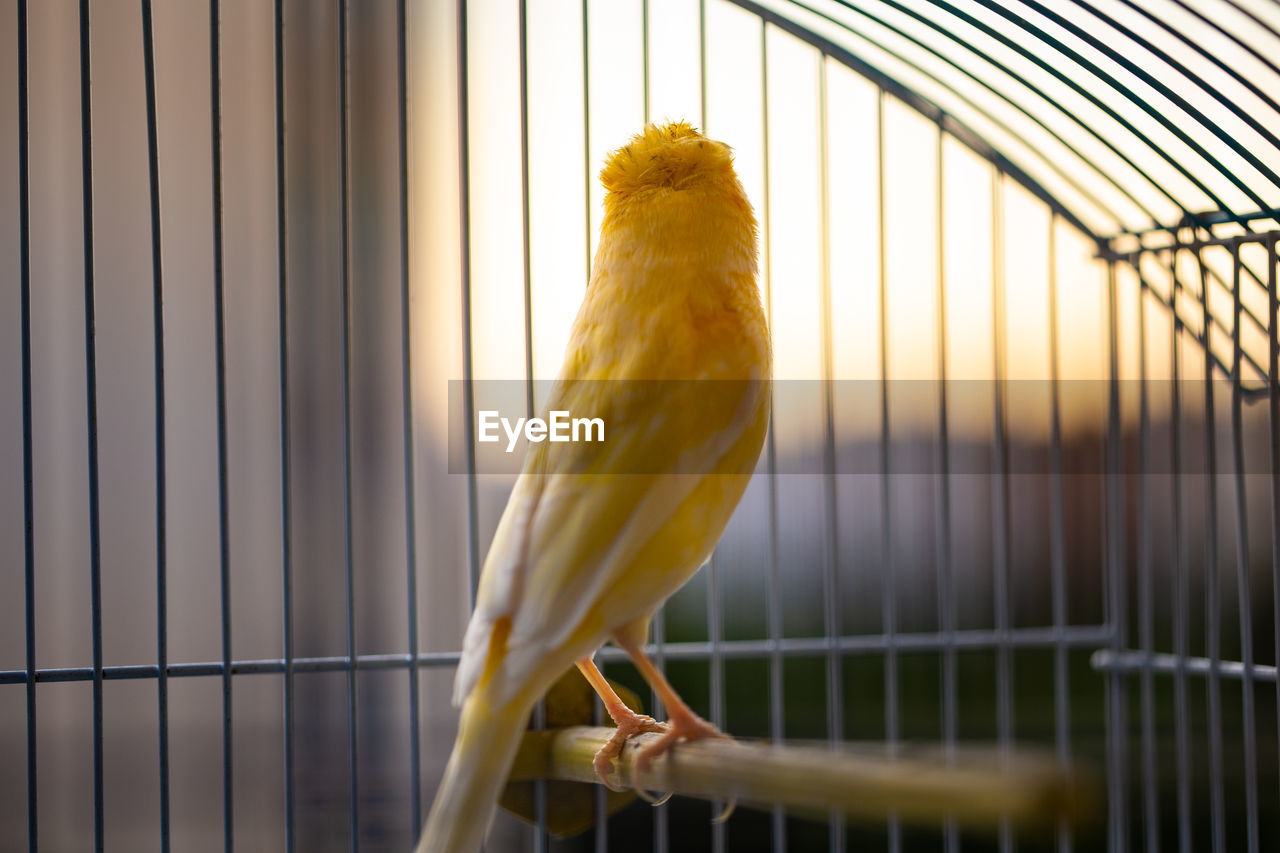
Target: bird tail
[{"x": 488, "y": 737}]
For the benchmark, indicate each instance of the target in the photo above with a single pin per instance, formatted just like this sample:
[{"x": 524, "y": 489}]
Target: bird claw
[
  {"x": 628, "y": 726},
  {"x": 726, "y": 812},
  {"x": 640, "y": 766},
  {"x": 650, "y": 798},
  {"x": 690, "y": 727},
  {"x": 677, "y": 729}
]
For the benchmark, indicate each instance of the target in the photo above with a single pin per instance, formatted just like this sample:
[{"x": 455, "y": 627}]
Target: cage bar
[
  {"x": 1273, "y": 410},
  {"x": 541, "y": 840},
  {"x": 888, "y": 603},
  {"x": 157, "y": 302},
  {"x": 773, "y": 606},
  {"x": 464, "y": 220},
  {"x": 28, "y": 474},
  {"x": 1057, "y": 535},
  {"x": 1181, "y": 591},
  {"x": 1117, "y": 776},
  {"x": 1146, "y": 614},
  {"x": 1075, "y": 636},
  {"x": 1242, "y": 572},
  {"x": 831, "y": 554},
  {"x": 1213, "y": 634},
  {"x": 406, "y": 403},
  {"x": 346, "y": 300},
  {"x": 1137, "y": 661},
  {"x": 715, "y": 602},
  {"x": 286, "y": 468},
  {"x": 91, "y": 415},
  {"x": 1000, "y": 487},
  {"x": 943, "y": 564}
]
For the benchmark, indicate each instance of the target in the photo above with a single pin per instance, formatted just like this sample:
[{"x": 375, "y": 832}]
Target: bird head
[{"x": 673, "y": 156}]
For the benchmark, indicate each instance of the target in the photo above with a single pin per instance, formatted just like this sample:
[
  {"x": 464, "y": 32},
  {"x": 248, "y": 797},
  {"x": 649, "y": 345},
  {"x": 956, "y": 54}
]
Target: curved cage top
[{"x": 1122, "y": 116}]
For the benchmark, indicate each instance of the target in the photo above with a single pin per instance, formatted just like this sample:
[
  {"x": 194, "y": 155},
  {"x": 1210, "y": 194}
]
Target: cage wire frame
[{"x": 1051, "y": 42}]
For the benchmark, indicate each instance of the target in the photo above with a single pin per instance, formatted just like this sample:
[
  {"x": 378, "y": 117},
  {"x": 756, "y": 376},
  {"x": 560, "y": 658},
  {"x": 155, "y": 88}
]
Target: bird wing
[{"x": 581, "y": 511}]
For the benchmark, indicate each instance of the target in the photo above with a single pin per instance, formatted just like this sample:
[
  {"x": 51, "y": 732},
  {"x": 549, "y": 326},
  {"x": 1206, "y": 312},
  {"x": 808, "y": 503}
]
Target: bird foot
[
  {"x": 629, "y": 723},
  {"x": 686, "y": 726}
]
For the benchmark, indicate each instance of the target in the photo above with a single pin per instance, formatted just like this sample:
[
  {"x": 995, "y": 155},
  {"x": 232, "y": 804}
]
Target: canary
[{"x": 671, "y": 349}]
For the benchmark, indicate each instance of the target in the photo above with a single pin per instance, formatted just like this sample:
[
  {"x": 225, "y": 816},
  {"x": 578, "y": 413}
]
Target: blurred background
[{"x": 1020, "y": 263}]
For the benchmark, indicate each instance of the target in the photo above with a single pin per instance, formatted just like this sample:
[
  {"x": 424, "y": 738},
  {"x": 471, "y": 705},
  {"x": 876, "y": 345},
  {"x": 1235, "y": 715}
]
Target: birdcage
[{"x": 1019, "y": 491}]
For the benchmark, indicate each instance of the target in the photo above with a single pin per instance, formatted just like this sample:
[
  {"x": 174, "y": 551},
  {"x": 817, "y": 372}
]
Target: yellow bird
[{"x": 671, "y": 350}]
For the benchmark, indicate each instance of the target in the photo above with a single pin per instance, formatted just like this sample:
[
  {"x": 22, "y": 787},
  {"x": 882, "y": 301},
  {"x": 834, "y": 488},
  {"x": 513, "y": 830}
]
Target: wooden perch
[{"x": 975, "y": 787}]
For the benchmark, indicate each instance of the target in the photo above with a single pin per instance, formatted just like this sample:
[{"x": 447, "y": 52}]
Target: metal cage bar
[
  {"x": 1273, "y": 411},
  {"x": 888, "y": 602},
  {"x": 286, "y": 467},
  {"x": 1057, "y": 535},
  {"x": 1146, "y": 613},
  {"x": 831, "y": 554},
  {"x": 1116, "y": 768},
  {"x": 1181, "y": 603},
  {"x": 790, "y": 647},
  {"x": 157, "y": 267},
  {"x": 91, "y": 416},
  {"x": 541, "y": 840},
  {"x": 1000, "y": 488},
  {"x": 464, "y": 254},
  {"x": 1213, "y": 634},
  {"x": 406, "y": 403},
  {"x": 1242, "y": 568},
  {"x": 773, "y": 617},
  {"x": 344, "y": 219},
  {"x": 945, "y": 578},
  {"x": 28, "y": 472}
]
